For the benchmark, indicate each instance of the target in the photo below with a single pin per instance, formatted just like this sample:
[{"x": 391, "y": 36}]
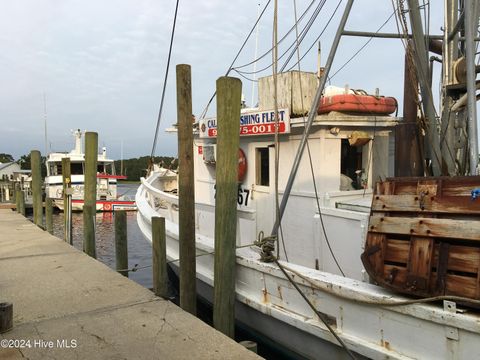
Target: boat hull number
[{"x": 243, "y": 195}]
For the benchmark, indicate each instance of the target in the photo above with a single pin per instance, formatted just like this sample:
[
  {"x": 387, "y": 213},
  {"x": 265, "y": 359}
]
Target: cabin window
[
  {"x": 351, "y": 167},
  {"x": 76, "y": 168},
  {"x": 55, "y": 168},
  {"x": 262, "y": 160}
]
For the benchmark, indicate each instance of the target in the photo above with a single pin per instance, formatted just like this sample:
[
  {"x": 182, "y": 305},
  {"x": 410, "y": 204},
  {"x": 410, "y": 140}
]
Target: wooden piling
[
  {"x": 6, "y": 317},
  {"x": 21, "y": 202},
  {"x": 229, "y": 92},
  {"x": 159, "y": 257},
  {"x": 90, "y": 193},
  {"x": 35, "y": 162},
  {"x": 186, "y": 191},
  {"x": 121, "y": 244},
  {"x": 49, "y": 215},
  {"x": 17, "y": 200},
  {"x": 67, "y": 211}
]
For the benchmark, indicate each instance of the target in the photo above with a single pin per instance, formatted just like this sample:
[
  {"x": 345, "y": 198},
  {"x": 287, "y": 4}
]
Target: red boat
[{"x": 358, "y": 103}]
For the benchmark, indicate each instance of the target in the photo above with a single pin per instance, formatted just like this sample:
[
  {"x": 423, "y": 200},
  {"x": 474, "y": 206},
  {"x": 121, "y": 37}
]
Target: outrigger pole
[{"x": 311, "y": 116}]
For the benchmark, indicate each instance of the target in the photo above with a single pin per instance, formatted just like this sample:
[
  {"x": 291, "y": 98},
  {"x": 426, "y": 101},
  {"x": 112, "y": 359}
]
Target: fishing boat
[
  {"x": 313, "y": 295},
  {"x": 107, "y": 196}
]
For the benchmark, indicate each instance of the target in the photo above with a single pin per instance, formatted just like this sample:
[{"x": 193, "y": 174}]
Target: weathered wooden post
[
  {"x": 121, "y": 245},
  {"x": 90, "y": 193},
  {"x": 21, "y": 202},
  {"x": 159, "y": 257},
  {"x": 35, "y": 161},
  {"x": 229, "y": 92},
  {"x": 186, "y": 191},
  {"x": 17, "y": 200},
  {"x": 6, "y": 316},
  {"x": 67, "y": 204},
  {"x": 49, "y": 215}
]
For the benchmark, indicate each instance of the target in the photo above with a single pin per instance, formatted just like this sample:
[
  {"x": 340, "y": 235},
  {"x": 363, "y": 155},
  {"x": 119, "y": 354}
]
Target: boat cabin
[{"x": 348, "y": 154}]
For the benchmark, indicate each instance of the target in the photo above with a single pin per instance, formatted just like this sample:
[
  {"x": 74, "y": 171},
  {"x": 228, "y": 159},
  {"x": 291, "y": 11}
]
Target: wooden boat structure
[{"x": 424, "y": 236}]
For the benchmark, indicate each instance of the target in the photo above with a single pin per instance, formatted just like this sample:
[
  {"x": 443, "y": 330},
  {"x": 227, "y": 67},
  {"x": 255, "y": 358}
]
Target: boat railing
[{"x": 161, "y": 201}]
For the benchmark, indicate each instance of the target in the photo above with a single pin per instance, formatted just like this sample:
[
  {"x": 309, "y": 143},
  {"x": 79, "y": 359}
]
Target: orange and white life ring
[
  {"x": 107, "y": 207},
  {"x": 242, "y": 165}
]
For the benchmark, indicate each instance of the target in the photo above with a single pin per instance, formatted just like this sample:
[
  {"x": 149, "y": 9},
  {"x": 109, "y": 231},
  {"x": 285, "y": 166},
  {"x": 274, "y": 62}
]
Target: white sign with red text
[{"x": 251, "y": 123}]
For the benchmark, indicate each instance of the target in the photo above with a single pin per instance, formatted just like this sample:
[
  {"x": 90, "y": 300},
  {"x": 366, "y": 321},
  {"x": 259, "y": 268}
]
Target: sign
[{"x": 251, "y": 123}]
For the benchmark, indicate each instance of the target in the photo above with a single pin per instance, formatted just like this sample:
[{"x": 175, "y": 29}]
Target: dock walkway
[{"x": 69, "y": 306}]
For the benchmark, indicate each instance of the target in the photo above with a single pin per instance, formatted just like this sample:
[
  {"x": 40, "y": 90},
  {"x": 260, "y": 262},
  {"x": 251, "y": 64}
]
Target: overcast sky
[{"x": 101, "y": 63}]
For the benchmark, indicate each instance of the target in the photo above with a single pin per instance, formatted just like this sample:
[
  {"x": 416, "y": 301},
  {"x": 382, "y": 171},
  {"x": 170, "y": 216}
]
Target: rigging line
[
  {"x": 306, "y": 28},
  {"x": 245, "y": 77},
  {"x": 361, "y": 48},
  {"x": 204, "y": 113},
  {"x": 165, "y": 81},
  {"x": 280, "y": 41},
  {"x": 302, "y": 37},
  {"x": 321, "y": 33},
  {"x": 311, "y": 163},
  {"x": 318, "y": 313},
  {"x": 275, "y": 99}
]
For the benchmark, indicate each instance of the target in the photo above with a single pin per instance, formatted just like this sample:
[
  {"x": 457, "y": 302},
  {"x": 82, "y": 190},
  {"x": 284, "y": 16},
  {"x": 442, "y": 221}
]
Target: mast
[
  {"x": 311, "y": 117},
  {"x": 471, "y": 24},
  {"x": 421, "y": 58}
]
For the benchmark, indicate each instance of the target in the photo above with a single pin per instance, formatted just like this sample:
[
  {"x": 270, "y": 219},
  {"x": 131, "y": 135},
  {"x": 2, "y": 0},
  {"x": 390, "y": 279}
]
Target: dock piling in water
[
  {"x": 35, "y": 161},
  {"x": 121, "y": 242},
  {"x": 159, "y": 257},
  {"x": 90, "y": 193},
  {"x": 49, "y": 215},
  {"x": 67, "y": 203},
  {"x": 229, "y": 92},
  {"x": 186, "y": 191}
]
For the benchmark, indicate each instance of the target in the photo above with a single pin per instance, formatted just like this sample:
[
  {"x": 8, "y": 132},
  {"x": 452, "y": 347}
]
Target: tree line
[{"x": 133, "y": 168}]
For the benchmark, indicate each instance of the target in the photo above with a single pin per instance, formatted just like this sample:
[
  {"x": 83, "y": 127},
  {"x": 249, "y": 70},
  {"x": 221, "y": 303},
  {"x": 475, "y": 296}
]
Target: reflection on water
[{"x": 139, "y": 249}]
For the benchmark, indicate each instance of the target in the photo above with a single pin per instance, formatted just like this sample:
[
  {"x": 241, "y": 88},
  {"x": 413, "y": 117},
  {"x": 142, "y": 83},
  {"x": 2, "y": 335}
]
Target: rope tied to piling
[{"x": 267, "y": 246}]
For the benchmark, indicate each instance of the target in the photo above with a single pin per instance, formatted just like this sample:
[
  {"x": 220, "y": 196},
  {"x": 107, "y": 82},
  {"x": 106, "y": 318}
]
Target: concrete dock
[{"x": 69, "y": 306}]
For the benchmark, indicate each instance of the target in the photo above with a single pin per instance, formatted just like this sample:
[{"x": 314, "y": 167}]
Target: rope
[
  {"x": 164, "y": 82},
  {"x": 267, "y": 246},
  {"x": 204, "y": 112}
]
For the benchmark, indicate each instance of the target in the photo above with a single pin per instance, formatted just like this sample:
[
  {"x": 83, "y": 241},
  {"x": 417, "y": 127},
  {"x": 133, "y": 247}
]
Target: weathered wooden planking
[
  {"x": 419, "y": 265},
  {"x": 446, "y": 186},
  {"x": 427, "y": 204},
  {"x": 430, "y": 227}
]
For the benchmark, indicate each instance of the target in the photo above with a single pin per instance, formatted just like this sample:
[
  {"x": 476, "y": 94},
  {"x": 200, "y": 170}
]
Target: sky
[{"x": 100, "y": 65}]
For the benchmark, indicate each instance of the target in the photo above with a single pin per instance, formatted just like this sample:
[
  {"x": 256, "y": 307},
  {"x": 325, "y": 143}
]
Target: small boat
[
  {"x": 357, "y": 101},
  {"x": 107, "y": 197}
]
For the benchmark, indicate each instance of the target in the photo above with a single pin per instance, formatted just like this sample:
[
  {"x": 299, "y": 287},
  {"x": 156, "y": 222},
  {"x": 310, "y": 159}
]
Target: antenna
[
  {"x": 255, "y": 59},
  {"x": 45, "y": 121}
]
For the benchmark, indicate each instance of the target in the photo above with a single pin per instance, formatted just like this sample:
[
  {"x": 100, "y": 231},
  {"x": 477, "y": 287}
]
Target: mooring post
[
  {"x": 121, "y": 244},
  {"x": 159, "y": 257},
  {"x": 17, "y": 200},
  {"x": 186, "y": 191},
  {"x": 35, "y": 162},
  {"x": 90, "y": 193},
  {"x": 6, "y": 316},
  {"x": 229, "y": 92},
  {"x": 21, "y": 202},
  {"x": 49, "y": 215},
  {"x": 67, "y": 188}
]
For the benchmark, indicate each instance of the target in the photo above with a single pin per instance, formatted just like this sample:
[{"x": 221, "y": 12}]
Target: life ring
[
  {"x": 107, "y": 207},
  {"x": 242, "y": 165}
]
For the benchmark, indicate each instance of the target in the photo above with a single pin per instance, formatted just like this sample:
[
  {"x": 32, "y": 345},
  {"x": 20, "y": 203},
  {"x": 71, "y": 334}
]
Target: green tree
[
  {"x": 5, "y": 158},
  {"x": 25, "y": 164}
]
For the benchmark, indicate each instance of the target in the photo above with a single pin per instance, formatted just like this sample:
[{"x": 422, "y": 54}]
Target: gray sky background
[{"x": 101, "y": 63}]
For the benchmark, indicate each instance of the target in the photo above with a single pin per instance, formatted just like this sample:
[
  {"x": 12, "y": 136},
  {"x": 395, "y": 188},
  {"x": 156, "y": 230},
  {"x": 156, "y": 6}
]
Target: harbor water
[{"x": 140, "y": 256}]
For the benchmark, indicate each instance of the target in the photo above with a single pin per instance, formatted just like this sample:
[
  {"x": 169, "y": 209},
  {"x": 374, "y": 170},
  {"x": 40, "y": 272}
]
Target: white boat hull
[{"x": 415, "y": 331}]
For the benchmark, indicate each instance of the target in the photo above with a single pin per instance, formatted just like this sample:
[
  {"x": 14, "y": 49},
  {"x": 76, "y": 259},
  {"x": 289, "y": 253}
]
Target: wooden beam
[
  {"x": 415, "y": 203},
  {"x": 430, "y": 227}
]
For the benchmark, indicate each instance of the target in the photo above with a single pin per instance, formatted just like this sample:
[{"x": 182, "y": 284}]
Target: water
[
  {"x": 139, "y": 249},
  {"x": 140, "y": 252}
]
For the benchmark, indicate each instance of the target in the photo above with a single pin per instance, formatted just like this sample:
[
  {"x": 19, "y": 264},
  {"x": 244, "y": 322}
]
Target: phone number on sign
[{"x": 38, "y": 343}]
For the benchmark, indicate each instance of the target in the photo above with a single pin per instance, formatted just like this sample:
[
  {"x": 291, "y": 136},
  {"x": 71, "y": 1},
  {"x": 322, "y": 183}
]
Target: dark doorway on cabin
[
  {"x": 262, "y": 165},
  {"x": 351, "y": 163}
]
